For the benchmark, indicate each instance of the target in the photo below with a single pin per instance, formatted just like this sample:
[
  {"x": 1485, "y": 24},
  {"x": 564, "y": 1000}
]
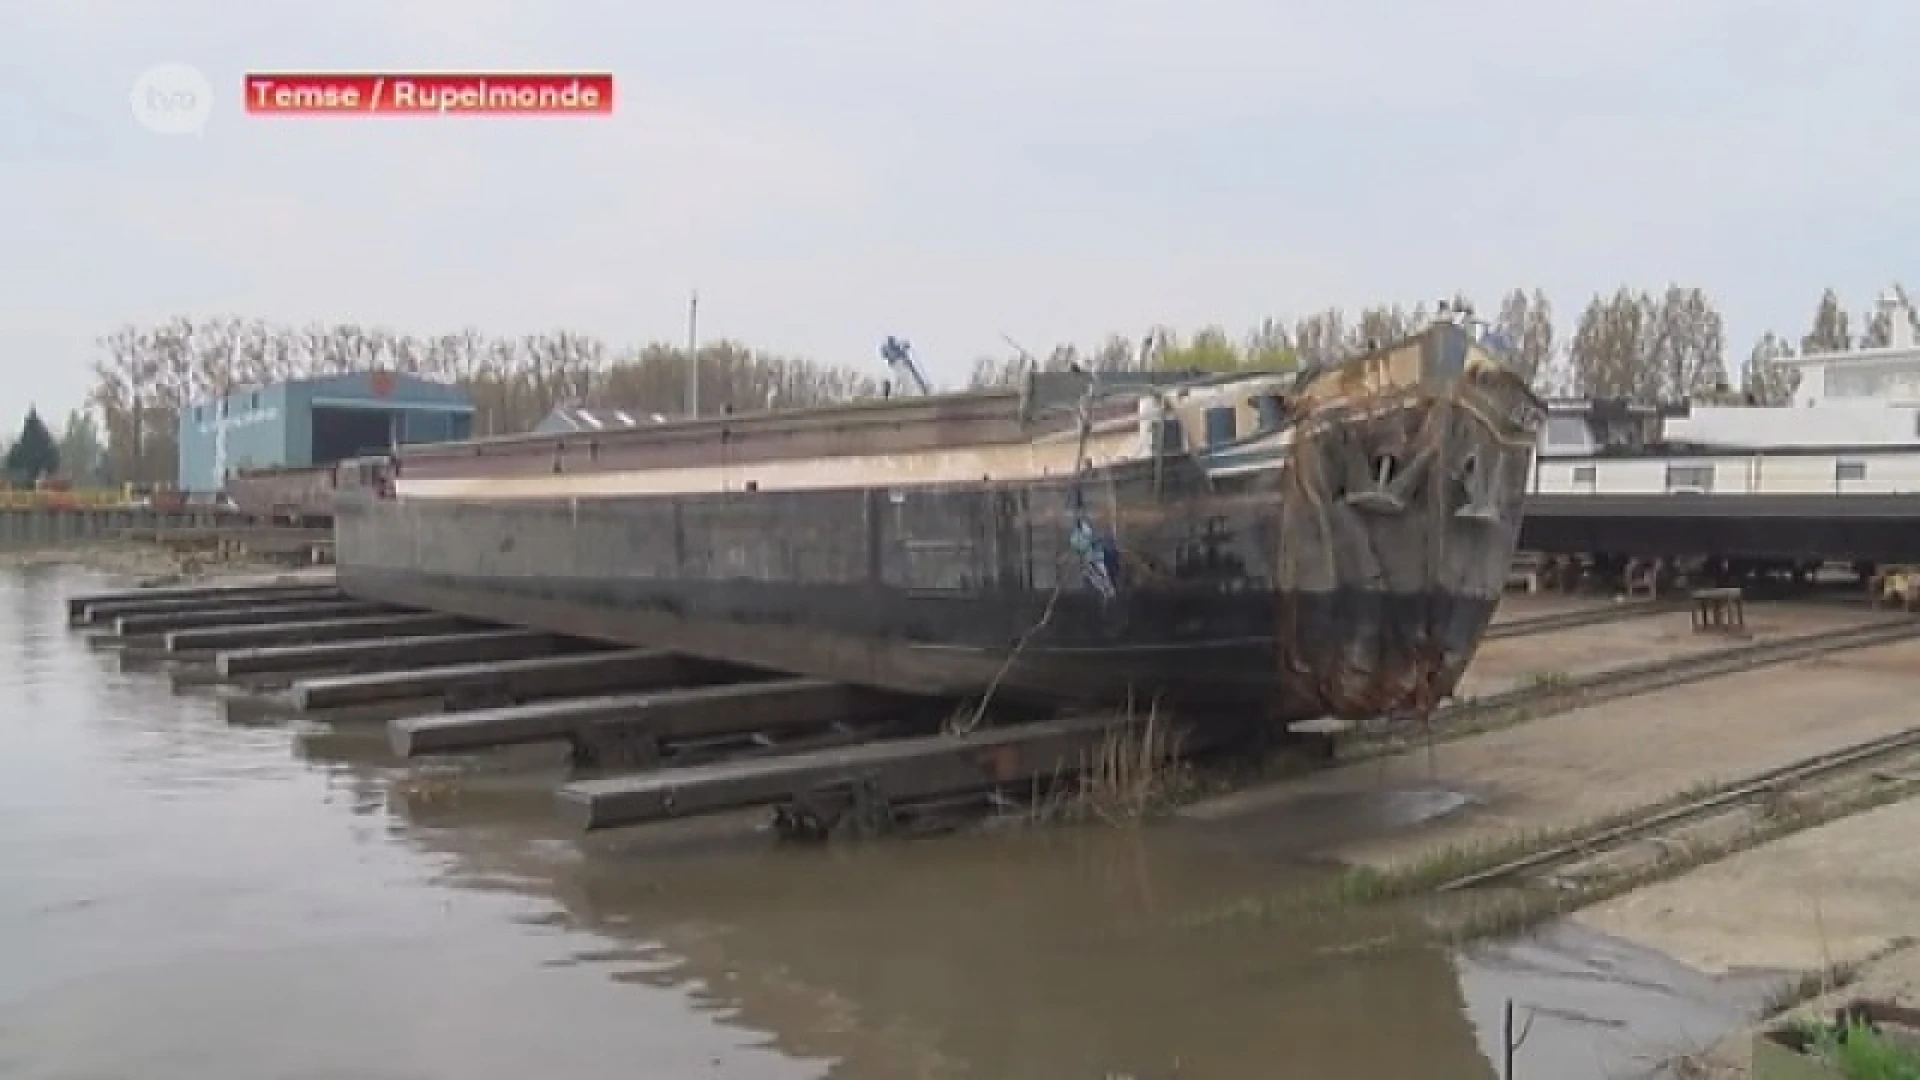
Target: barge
[
  {"x": 1287, "y": 545},
  {"x": 1833, "y": 477}
]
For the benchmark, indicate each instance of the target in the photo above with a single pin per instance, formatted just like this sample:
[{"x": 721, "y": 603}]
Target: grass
[
  {"x": 1519, "y": 910},
  {"x": 1827, "y": 979},
  {"x": 1860, "y": 1052},
  {"x": 1136, "y": 772},
  {"x": 1545, "y": 681},
  {"x": 1524, "y": 910}
]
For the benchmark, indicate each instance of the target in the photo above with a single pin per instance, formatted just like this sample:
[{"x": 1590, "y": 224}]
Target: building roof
[
  {"x": 397, "y": 387},
  {"x": 577, "y": 418}
]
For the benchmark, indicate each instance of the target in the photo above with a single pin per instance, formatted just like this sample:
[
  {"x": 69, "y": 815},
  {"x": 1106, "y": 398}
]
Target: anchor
[
  {"x": 1391, "y": 485},
  {"x": 1482, "y": 489}
]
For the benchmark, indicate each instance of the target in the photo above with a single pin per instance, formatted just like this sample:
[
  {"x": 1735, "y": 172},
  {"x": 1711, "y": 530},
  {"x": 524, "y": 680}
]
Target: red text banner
[{"x": 430, "y": 94}]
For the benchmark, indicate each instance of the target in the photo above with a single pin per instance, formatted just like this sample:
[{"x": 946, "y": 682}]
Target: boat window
[
  {"x": 1585, "y": 474},
  {"x": 1567, "y": 431},
  {"x": 1849, "y": 470},
  {"x": 1172, "y": 438},
  {"x": 1223, "y": 425},
  {"x": 1689, "y": 478},
  {"x": 1271, "y": 410}
]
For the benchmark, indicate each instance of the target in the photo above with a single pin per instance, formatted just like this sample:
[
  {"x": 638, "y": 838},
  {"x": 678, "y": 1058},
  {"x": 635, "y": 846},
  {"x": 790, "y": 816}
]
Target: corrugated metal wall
[
  {"x": 272, "y": 427},
  {"x": 245, "y": 431}
]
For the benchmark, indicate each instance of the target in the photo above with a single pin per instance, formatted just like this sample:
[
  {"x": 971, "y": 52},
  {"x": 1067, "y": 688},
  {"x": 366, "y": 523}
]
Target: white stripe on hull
[{"x": 962, "y": 465}]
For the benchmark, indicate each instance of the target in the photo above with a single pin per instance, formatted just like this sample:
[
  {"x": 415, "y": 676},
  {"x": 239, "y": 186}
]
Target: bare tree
[
  {"x": 1765, "y": 381},
  {"x": 1879, "y": 332},
  {"x": 1830, "y": 331},
  {"x": 1685, "y": 344},
  {"x": 145, "y": 379},
  {"x": 1321, "y": 338},
  {"x": 1607, "y": 354},
  {"x": 1526, "y": 321}
]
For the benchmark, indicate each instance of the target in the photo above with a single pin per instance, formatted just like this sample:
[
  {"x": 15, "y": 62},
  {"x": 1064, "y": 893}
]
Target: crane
[{"x": 906, "y": 374}]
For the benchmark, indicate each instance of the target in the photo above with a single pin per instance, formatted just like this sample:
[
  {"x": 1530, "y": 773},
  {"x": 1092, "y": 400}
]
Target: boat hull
[
  {"x": 1221, "y": 598},
  {"x": 1343, "y": 559}
]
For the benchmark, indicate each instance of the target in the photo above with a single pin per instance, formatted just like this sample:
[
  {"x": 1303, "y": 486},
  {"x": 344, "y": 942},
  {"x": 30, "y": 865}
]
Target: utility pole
[{"x": 693, "y": 356}]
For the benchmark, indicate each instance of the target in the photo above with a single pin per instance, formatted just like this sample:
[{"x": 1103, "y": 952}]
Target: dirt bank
[{"x": 135, "y": 565}]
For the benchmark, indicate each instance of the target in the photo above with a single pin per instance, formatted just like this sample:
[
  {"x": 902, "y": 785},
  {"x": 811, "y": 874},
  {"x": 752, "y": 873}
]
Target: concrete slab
[
  {"x": 1566, "y": 770},
  {"x": 1831, "y": 895}
]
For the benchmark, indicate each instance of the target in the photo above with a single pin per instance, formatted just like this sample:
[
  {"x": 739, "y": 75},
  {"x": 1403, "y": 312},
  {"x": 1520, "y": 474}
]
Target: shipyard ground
[
  {"x": 1774, "y": 899},
  {"x": 1605, "y": 713}
]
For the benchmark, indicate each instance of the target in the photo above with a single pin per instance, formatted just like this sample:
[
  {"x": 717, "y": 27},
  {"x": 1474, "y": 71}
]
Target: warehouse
[{"x": 315, "y": 422}]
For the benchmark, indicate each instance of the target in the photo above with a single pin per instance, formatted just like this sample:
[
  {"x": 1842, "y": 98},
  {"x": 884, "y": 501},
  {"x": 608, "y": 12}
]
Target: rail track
[
  {"x": 1572, "y": 620},
  {"x": 1577, "y": 691},
  {"x": 1894, "y": 757}
]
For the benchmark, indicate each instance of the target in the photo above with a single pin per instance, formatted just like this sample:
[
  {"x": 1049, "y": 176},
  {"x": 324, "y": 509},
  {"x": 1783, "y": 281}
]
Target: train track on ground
[
  {"x": 1571, "y": 620},
  {"x": 1840, "y": 780},
  {"x": 1561, "y": 694}
]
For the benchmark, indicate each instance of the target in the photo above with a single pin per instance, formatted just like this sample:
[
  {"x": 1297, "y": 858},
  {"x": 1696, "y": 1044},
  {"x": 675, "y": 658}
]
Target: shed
[{"x": 315, "y": 421}]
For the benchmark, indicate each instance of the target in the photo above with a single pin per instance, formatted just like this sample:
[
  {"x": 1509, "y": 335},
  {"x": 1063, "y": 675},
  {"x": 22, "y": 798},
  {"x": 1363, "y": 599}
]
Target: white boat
[{"x": 1853, "y": 428}]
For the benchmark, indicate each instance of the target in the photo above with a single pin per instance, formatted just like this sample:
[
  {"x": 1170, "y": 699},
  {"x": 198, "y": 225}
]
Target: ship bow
[{"x": 1402, "y": 507}]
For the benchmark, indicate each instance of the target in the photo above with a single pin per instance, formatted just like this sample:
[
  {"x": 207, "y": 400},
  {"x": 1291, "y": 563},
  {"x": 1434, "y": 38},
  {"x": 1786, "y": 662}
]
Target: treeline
[
  {"x": 1524, "y": 319},
  {"x": 144, "y": 376},
  {"x": 1647, "y": 345}
]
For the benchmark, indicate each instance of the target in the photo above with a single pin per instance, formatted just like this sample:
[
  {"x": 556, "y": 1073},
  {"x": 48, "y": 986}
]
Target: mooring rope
[{"x": 1076, "y": 501}]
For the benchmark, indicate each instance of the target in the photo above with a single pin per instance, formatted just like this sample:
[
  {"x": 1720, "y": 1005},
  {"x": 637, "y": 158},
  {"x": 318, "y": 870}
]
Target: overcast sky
[{"x": 829, "y": 172}]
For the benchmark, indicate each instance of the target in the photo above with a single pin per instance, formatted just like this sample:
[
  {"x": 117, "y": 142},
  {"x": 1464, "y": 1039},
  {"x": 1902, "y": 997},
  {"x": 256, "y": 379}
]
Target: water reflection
[
  {"x": 197, "y": 900},
  {"x": 184, "y": 899}
]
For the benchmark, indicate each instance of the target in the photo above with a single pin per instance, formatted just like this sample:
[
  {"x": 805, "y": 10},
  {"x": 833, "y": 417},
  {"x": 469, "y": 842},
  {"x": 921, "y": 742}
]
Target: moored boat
[{"x": 1331, "y": 541}]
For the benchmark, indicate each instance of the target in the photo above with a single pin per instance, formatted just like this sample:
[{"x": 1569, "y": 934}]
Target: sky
[{"x": 831, "y": 172}]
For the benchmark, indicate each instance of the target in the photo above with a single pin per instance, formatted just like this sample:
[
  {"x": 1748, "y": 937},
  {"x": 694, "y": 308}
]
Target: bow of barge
[{"x": 1292, "y": 545}]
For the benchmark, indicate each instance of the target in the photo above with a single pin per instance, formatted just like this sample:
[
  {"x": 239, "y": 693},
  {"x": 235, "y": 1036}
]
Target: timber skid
[{"x": 652, "y": 736}]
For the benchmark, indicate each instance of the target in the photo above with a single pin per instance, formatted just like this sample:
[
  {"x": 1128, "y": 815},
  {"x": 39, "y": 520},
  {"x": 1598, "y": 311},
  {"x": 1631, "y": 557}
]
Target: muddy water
[{"x": 180, "y": 897}]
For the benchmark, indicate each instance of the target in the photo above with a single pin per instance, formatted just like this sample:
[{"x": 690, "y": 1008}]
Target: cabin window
[
  {"x": 1844, "y": 471},
  {"x": 1585, "y": 474},
  {"x": 1172, "y": 438},
  {"x": 1690, "y": 477},
  {"x": 1271, "y": 412},
  {"x": 1566, "y": 431},
  {"x": 1223, "y": 425}
]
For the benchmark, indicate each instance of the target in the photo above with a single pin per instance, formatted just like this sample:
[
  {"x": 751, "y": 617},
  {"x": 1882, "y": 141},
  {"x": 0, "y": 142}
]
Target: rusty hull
[{"x": 1351, "y": 573}]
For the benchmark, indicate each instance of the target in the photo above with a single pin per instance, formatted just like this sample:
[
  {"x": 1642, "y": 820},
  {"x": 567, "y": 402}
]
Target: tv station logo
[
  {"x": 429, "y": 94},
  {"x": 172, "y": 99}
]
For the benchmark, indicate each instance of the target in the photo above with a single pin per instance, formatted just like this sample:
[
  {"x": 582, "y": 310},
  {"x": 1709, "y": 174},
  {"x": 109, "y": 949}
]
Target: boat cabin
[
  {"x": 1590, "y": 427},
  {"x": 1853, "y": 428}
]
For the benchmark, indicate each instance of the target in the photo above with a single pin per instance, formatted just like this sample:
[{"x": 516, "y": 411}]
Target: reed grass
[{"x": 1134, "y": 773}]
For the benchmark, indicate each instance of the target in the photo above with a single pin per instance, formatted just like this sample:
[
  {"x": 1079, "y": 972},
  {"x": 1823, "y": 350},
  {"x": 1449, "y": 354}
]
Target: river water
[{"x": 183, "y": 897}]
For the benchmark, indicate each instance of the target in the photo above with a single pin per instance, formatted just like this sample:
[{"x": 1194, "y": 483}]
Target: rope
[{"x": 1076, "y": 499}]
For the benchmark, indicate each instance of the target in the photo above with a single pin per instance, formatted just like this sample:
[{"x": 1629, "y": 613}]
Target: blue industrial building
[{"x": 315, "y": 422}]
